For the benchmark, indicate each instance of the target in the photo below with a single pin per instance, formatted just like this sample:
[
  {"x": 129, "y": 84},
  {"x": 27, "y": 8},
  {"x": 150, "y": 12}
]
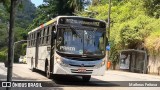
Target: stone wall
[{"x": 153, "y": 64}]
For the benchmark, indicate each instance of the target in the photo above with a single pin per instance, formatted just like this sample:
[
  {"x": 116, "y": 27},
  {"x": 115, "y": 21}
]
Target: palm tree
[{"x": 77, "y": 5}]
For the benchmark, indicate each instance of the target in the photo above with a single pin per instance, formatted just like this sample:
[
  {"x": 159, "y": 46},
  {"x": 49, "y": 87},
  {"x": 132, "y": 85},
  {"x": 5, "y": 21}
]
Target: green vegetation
[
  {"x": 28, "y": 17},
  {"x": 135, "y": 24},
  {"x": 52, "y": 8},
  {"x": 24, "y": 17}
]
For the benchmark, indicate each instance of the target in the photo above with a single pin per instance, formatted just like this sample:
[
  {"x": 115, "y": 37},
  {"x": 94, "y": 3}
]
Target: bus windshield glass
[{"x": 81, "y": 41}]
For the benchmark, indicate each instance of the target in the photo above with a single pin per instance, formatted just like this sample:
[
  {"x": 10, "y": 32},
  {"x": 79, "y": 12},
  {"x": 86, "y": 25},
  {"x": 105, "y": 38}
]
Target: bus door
[
  {"x": 37, "y": 47},
  {"x": 52, "y": 29}
]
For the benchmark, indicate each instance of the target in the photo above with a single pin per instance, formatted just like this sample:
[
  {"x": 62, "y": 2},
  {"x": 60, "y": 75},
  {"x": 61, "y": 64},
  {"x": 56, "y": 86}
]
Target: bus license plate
[{"x": 82, "y": 70}]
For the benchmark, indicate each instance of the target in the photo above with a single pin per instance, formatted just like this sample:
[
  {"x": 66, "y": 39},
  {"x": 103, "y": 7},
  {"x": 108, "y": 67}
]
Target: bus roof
[
  {"x": 43, "y": 25},
  {"x": 55, "y": 19}
]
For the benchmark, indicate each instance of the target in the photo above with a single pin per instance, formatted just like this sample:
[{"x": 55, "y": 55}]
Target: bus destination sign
[
  {"x": 73, "y": 21},
  {"x": 82, "y": 21}
]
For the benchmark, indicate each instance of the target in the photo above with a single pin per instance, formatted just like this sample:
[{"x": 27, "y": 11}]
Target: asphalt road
[{"x": 112, "y": 80}]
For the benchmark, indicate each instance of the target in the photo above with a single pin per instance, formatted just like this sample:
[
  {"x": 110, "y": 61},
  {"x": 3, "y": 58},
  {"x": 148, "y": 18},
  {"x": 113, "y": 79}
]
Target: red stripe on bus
[{"x": 42, "y": 26}]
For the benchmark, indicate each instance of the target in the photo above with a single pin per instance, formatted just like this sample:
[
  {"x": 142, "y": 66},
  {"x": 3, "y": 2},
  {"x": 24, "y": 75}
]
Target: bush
[{"x": 2, "y": 56}]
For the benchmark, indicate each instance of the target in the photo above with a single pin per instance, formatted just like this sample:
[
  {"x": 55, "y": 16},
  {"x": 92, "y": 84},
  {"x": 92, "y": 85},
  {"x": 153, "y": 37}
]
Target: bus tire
[
  {"x": 47, "y": 71},
  {"x": 33, "y": 69},
  {"x": 86, "y": 78},
  {"x": 32, "y": 66}
]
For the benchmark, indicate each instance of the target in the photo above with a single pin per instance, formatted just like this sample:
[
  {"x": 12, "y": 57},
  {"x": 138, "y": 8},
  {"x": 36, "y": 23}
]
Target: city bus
[{"x": 68, "y": 45}]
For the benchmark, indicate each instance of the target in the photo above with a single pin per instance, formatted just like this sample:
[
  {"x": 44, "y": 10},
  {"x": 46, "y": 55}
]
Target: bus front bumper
[{"x": 70, "y": 70}]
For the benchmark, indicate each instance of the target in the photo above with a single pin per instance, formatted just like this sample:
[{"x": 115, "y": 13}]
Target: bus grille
[
  {"x": 86, "y": 72},
  {"x": 81, "y": 66}
]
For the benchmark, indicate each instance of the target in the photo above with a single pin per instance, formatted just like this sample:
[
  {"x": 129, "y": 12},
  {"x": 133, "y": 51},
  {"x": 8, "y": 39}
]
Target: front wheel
[
  {"x": 48, "y": 74},
  {"x": 33, "y": 69},
  {"x": 86, "y": 78}
]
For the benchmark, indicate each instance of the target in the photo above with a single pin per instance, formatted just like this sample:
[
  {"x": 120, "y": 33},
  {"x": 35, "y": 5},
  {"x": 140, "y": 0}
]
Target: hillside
[{"x": 24, "y": 17}]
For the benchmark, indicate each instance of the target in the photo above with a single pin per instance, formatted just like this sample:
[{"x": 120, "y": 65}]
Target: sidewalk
[{"x": 148, "y": 77}]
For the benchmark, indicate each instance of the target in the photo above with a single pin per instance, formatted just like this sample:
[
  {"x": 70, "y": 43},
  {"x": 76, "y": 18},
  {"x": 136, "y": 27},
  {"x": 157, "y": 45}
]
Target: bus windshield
[{"x": 81, "y": 41}]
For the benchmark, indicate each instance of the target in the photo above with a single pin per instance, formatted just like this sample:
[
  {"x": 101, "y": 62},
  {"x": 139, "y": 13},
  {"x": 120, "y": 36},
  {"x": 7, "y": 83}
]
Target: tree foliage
[
  {"x": 5, "y": 4},
  {"x": 153, "y": 7},
  {"x": 24, "y": 17},
  {"x": 134, "y": 24},
  {"x": 52, "y": 8}
]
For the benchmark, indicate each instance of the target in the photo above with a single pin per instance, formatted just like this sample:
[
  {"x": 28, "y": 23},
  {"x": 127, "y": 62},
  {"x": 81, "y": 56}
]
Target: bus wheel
[
  {"x": 86, "y": 78},
  {"x": 33, "y": 69},
  {"x": 48, "y": 74},
  {"x": 32, "y": 66}
]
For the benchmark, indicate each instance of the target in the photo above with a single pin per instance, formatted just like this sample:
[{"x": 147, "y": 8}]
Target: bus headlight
[
  {"x": 100, "y": 64},
  {"x": 103, "y": 62},
  {"x": 58, "y": 59}
]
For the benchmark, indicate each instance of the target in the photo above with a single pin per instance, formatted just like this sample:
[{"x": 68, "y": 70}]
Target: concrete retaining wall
[{"x": 154, "y": 64}]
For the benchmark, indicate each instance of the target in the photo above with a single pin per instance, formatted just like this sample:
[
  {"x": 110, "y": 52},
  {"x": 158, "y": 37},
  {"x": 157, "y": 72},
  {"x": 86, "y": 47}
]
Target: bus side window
[
  {"x": 28, "y": 41},
  {"x": 45, "y": 41},
  {"x": 39, "y": 37},
  {"x": 42, "y": 37},
  {"x": 31, "y": 38},
  {"x": 34, "y": 40},
  {"x": 47, "y": 35}
]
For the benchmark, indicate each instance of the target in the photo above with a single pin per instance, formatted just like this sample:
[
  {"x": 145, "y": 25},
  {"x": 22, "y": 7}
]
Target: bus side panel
[
  {"x": 30, "y": 54},
  {"x": 43, "y": 55}
]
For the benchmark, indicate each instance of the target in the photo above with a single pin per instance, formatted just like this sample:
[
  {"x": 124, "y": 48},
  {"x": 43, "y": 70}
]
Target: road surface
[{"x": 112, "y": 80}]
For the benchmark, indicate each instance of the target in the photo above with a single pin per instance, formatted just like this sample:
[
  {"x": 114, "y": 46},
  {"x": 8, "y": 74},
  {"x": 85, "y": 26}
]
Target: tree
[
  {"x": 23, "y": 18},
  {"x": 52, "y": 8},
  {"x": 153, "y": 7},
  {"x": 131, "y": 26},
  {"x": 5, "y": 3},
  {"x": 76, "y": 4},
  {"x": 25, "y": 14},
  {"x": 103, "y": 2}
]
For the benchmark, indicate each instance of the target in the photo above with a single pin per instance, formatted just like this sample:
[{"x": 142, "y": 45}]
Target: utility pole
[
  {"x": 109, "y": 20},
  {"x": 11, "y": 42}
]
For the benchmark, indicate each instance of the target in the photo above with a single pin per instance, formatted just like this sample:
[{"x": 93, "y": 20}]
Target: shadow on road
[
  {"x": 62, "y": 80},
  {"x": 66, "y": 80},
  {"x": 69, "y": 81}
]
